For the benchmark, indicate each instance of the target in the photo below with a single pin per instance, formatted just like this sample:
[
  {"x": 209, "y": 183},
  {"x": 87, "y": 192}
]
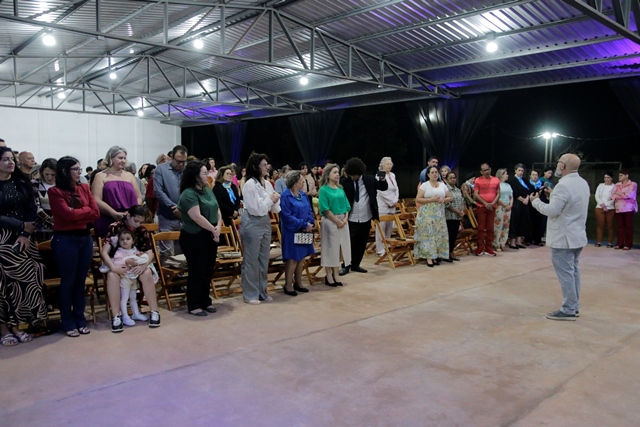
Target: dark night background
[{"x": 590, "y": 113}]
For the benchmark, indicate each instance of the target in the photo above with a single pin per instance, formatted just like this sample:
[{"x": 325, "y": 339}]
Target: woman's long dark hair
[
  {"x": 190, "y": 174},
  {"x": 20, "y": 178},
  {"x": 63, "y": 173},
  {"x": 253, "y": 165}
]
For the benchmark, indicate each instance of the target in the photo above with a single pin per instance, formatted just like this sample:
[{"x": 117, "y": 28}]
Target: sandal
[
  {"x": 598, "y": 245},
  {"x": 23, "y": 336},
  {"x": 73, "y": 333},
  {"x": 84, "y": 330},
  {"x": 9, "y": 340}
]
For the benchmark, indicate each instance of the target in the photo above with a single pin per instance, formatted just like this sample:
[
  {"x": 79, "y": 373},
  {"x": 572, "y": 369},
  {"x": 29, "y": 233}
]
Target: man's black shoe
[
  {"x": 358, "y": 269},
  {"x": 344, "y": 271}
]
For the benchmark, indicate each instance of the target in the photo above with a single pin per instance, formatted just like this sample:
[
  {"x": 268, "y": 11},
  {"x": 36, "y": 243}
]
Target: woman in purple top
[{"x": 115, "y": 190}]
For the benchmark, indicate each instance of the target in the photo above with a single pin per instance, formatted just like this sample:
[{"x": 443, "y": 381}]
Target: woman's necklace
[{"x": 297, "y": 196}]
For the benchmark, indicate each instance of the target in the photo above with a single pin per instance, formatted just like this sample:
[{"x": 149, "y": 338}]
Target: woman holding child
[
  {"x": 133, "y": 221},
  {"x": 75, "y": 210}
]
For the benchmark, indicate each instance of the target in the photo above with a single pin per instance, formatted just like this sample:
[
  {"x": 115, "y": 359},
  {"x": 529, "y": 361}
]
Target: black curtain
[
  {"x": 315, "y": 133},
  {"x": 231, "y": 139},
  {"x": 628, "y": 92},
  {"x": 445, "y": 126}
]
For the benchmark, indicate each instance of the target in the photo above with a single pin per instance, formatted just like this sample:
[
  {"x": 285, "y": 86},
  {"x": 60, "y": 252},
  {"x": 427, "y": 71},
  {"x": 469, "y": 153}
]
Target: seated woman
[
  {"x": 227, "y": 195},
  {"x": 295, "y": 216},
  {"x": 21, "y": 272},
  {"x": 132, "y": 220}
]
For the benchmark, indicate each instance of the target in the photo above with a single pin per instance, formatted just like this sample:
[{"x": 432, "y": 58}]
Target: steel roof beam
[
  {"x": 621, "y": 10},
  {"x": 538, "y": 69}
]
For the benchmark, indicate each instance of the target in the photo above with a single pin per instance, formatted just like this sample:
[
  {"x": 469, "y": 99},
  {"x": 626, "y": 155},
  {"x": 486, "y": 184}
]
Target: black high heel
[
  {"x": 338, "y": 283},
  {"x": 290, "y": 293},
  {"x": 299, "y": 288},
  {"x": 326, "y": 282},
  {"x": 430, "y": 265}
]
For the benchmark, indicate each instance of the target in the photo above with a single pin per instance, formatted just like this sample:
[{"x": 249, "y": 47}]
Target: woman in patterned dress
[
  {"x": 454, "y": 212},
  {"x": 21, "y": 272},
  {"x": 431, "y": 228},
  {"x": 503, "y": 212}
]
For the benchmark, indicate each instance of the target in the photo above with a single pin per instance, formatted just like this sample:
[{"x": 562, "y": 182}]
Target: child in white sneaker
[{"x": 128, "y": 257}]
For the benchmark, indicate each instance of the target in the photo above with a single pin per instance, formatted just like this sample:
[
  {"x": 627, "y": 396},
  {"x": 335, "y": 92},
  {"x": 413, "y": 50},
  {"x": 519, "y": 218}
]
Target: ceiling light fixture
[
  {"x": 140, "y": 113},
  {"x": 304, "y": 80},
  {"x": 62, "y": 95},
  {"x": 491, "y": 46},
  {"x": 113, "y": 75},
  {"x": 56, "y": 65},
  {"x": 198, "y": 43},
  {"x": 49, "y": 40},
  {"x": 131, "y": 50}
]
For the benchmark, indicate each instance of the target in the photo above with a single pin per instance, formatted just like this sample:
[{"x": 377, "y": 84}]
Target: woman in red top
[{"x": 75, "y": 210}]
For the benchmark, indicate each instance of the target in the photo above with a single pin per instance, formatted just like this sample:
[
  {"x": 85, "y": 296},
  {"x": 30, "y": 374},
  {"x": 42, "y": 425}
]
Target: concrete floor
[{"x": 457, "y": 345}]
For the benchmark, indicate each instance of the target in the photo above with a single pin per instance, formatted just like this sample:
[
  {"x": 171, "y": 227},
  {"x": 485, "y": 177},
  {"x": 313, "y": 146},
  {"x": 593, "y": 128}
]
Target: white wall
[{"x": 85, "y": 136}]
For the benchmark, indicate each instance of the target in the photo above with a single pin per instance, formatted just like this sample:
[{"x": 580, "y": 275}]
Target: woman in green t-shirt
[
  {"x": 200, "y": 235},
  {"x": 334, "y": 208}
]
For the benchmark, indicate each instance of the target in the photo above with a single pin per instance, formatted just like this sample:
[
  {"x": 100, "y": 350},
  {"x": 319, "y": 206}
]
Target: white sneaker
[
  {"x": 252, "y": 301},
  {"x": 139, "y": 316},
  {"x": 128, "y": 321}
]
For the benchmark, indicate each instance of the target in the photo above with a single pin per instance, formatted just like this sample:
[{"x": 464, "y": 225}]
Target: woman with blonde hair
[
  {"x": 503, "y": 211},
  {"x": 387, "y": 201},
  {"x": 334, "y": 208},
  {"x": 115, "y": 190}
]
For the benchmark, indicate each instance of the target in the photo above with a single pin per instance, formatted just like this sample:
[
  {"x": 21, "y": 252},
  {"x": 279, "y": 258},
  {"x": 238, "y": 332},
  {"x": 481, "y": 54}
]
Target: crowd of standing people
[{"x": 192, "y": 197}]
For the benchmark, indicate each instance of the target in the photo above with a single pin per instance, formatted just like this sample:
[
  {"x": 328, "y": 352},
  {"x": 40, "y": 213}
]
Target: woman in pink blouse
[{"x": 624, "y": 199}]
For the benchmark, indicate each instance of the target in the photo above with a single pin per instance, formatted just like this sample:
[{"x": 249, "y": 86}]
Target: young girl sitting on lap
[{"x": 127, "y": 256}]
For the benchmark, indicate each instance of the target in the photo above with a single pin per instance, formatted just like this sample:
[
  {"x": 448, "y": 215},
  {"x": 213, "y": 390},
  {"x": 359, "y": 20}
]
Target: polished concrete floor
[{"x": 463, "y": 344}]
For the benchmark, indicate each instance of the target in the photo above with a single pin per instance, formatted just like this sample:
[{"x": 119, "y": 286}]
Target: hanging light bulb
[
  {"x": 140, "y": 113},
  {"x": 113, "y": 75},
  {"x": 304, "y": 80},
  {"x": 62, "y": 95},
  {"x": 49, "y": 40},
  {"x": 198, "y": 44},
  {"x": 491, "y": 46}
]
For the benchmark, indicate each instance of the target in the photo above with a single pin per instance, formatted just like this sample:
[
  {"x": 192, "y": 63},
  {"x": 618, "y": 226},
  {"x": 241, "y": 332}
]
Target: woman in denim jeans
[{"x": 74, "y": 210}]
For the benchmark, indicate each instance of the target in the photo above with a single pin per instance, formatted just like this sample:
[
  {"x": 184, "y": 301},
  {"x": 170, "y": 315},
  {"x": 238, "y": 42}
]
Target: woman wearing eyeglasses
[{"x": 75, "y": 209}]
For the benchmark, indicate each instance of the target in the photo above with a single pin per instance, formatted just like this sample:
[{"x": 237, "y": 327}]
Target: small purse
[{"x": 303, "y": 238}]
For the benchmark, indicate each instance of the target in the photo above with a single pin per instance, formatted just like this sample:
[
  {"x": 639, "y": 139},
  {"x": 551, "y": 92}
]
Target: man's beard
[{"x": 558, "y": 172}]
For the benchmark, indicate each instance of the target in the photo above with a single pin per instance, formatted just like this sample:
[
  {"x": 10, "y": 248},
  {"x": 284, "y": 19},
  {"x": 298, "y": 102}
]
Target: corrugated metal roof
[{"x": 254, "y": 53}]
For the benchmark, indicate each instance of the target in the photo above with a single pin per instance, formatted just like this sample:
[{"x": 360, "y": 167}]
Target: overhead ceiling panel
[{"x": 254, "y": 53}]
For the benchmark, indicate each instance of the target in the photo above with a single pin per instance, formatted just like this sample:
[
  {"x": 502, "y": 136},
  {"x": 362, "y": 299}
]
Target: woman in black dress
[
  {"x": 21, "y": 272},
  {"x": 519, "y": 227},
  {"x": 227, "y": 194}
]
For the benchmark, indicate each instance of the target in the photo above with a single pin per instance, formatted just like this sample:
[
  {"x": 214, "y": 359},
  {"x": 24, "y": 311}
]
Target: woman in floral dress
[{"x": 431, "y": 228}]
